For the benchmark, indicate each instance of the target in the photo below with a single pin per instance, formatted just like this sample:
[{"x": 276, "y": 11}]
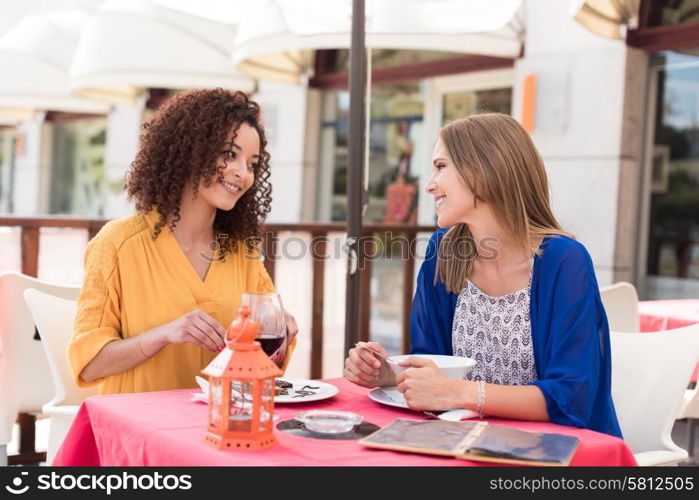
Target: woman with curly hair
[{"x": 160, "y": 286}]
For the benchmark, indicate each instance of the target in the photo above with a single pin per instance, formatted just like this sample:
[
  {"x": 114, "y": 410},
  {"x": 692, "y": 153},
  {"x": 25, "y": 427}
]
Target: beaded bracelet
[{"x": 480, "y": 399}]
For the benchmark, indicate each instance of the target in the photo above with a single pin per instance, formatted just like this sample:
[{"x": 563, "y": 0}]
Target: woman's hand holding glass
[
  {"x": 292, "y": 330},
  {"x": 277, "y": 327}
]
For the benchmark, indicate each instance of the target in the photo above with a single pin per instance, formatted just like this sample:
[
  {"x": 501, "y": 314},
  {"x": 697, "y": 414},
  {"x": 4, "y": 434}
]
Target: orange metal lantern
[{"x": 241, "y": 391}]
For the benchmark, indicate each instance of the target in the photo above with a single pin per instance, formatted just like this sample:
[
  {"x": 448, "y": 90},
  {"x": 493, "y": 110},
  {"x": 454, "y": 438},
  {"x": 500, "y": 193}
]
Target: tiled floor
[{"x": 679, "y": 435}]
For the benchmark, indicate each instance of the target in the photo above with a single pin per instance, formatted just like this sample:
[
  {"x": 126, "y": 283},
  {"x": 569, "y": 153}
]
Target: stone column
[
  {"x": 587, "y": 130},
  {"x": 123, "y": 131},
  {"x": 28, "y": 161},
  {"x": 284, "y": 113}
]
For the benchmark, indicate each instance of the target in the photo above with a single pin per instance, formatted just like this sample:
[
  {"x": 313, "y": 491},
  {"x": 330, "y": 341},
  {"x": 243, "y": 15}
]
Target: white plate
[
  {"x": 391, "y": 396},
  {"x": 323, "y": 391}
]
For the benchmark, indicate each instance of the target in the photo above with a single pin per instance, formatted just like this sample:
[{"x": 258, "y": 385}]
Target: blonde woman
[{"x": 506, "y": 285}]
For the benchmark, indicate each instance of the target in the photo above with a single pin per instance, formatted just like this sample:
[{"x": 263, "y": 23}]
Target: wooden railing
[{"x": 319, "y": 232}]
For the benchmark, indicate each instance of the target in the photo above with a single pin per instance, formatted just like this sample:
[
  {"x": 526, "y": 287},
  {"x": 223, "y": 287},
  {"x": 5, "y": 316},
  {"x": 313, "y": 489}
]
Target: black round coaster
[{"x": 296, "y": 428}]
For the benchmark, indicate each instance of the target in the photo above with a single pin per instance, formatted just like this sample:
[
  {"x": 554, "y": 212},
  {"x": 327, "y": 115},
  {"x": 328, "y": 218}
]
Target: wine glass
[{"x": 267, "y": 310}]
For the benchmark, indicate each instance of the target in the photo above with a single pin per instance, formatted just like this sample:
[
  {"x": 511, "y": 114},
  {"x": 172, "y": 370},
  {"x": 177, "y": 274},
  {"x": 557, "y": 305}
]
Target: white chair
[
  {"x": 690, "y": 411},
  {"x": 25, "y": 380},
  {"x": 620, "y": 300},
  {"x": 621, "y": 303},
  {"x": 650, "y": 372},
  {"x": 54, "y": 318}
]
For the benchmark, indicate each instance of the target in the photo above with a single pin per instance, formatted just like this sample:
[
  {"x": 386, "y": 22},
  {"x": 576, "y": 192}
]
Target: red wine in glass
[
  {"x": 266, "y": 309},
  {"x": 270, "y": 343}
]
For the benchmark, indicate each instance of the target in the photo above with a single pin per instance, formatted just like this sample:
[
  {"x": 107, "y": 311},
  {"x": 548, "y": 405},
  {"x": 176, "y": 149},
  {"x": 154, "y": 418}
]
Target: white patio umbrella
[
  {"x": 35, "y": 56},
  {"x": 278, "y": 44},
  {"x": 130, "y": 45},
  {"x": 606, "y": 18},
  {"x": 14, "y": 116},
  {"x": 220, "y": 11}
]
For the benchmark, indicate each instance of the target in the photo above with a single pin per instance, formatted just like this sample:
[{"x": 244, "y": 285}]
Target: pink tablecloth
[
  {"x": 658, "y": 315},
  {"x": 166, "y": 429}
]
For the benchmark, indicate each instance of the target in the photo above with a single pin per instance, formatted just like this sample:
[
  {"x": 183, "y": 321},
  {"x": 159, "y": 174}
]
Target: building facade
[{"x": 616, "y": 122}]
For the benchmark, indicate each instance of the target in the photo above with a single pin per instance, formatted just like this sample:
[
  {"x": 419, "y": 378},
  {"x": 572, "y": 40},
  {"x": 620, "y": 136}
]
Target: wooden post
[
  {"x": 318, "y": 253},
  {"x": 92, "y": 230},
  {"x": 27, "y": 452},
  {"x": 366, "y": 265},
  {"x": 30, "y": 267},
  {"x": 355, "y": 176},
  {"x": 30, "y": 251},
  {"x": 408, "y": 288}
]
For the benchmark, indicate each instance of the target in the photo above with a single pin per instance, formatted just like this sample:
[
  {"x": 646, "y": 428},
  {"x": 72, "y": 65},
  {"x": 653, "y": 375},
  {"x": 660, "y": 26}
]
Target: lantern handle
[{"x": 244, "y": 328}]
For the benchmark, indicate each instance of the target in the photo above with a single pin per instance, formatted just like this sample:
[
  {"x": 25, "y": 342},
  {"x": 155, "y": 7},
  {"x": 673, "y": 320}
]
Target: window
[
  {"x": 78, "y": 182},
  {"x": 395, "y": 127},
  {"x": 673, "y": 247},
  {"x": 461, "y": 104},
  {"x": 671, "y": 12},
  {"x": 7, "y": 167}
]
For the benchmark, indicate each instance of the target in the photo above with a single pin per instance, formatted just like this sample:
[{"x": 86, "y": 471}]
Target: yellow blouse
[{"x": 133, "y": 283}]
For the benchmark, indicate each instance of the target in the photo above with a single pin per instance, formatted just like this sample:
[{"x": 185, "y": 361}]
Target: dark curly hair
[{"x": 181, "y": 144}]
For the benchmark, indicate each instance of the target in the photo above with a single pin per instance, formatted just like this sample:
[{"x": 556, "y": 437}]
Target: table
[
  {"x": 658, "y": 315},
  {"x": 167, "y": 429}
]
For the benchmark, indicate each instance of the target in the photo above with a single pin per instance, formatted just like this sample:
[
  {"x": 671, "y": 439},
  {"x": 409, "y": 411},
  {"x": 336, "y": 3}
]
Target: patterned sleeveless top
[{"x": 497, "y": 333}]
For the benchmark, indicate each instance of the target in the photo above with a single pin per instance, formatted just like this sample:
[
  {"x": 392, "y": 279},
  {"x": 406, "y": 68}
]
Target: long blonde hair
[{"x": 499, "y": 163}]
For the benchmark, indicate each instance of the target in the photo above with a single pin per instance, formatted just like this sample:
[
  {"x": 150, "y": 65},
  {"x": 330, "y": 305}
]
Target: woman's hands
[
  {"x": 195, "y": 327},
  {"x": 292, "y": 330},
  {"x": 364, "y": 368},
  {"x": 425, "y": 387},
  {"x": 199, "y": 328}
]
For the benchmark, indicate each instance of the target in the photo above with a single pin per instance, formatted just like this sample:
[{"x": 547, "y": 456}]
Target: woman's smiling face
[
  {"x": 454, "y": 201},
  {"x": 237, "y": 163}
]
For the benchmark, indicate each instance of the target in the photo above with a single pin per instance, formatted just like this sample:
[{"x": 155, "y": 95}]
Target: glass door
[
  {"x": 670, "y": 249},
  {"x": 78, "y": 182}
]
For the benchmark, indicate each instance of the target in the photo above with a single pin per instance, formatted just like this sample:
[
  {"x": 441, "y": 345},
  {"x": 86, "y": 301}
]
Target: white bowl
[{"x": 452, "y": 366}]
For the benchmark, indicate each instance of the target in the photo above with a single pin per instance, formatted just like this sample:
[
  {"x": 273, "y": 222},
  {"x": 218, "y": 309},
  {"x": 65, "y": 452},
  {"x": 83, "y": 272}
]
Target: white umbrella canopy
[
  {"x": 13, "y": 12},
  {"x": 14, "y": 116},
  {"x": 220, "y": 11},
  {"x": 605, "y": 18},
  {"x": 35, "y": 56},
  {"x": 130, "y": 45},
  {"x": 275, "y": 37}
]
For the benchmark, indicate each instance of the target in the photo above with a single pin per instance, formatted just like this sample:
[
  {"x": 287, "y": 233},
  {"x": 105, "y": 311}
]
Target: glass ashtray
[{"x": 328, "y": 421}]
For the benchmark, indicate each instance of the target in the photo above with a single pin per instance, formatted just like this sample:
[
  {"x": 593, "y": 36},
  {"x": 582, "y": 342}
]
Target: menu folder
[{"x": 477, "y": 441}]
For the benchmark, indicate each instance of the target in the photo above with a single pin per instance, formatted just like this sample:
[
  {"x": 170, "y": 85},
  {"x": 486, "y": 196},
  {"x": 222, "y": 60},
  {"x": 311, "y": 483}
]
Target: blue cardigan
[{"x": 570, "y": 334}]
